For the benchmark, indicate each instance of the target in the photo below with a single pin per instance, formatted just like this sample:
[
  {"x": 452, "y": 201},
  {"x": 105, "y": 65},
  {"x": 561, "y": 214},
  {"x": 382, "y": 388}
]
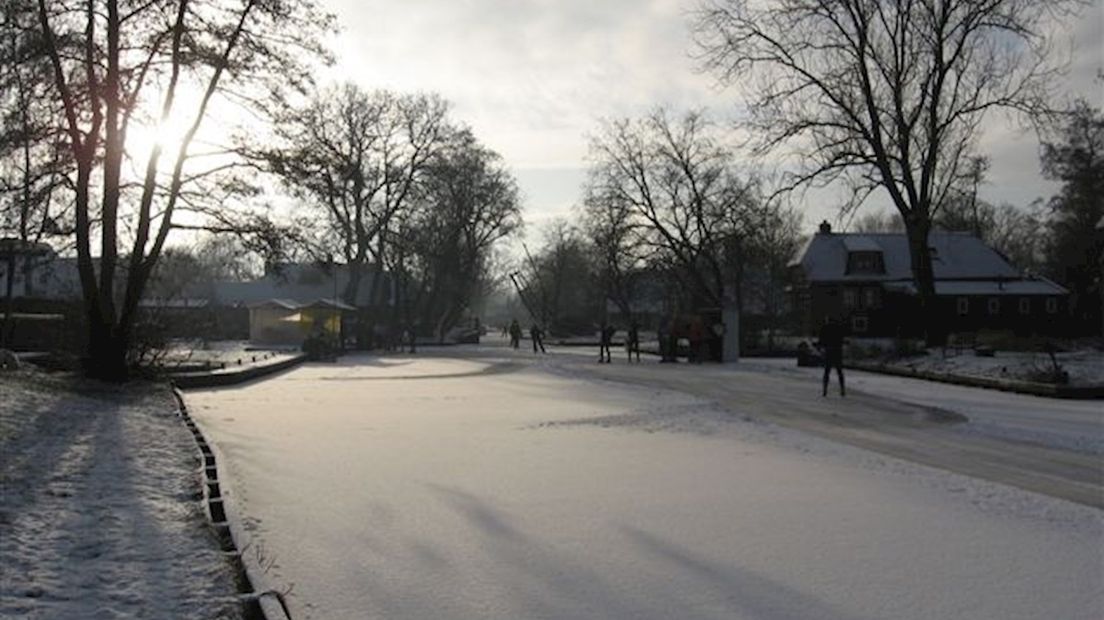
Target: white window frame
[
  {"x": 962, "y": 305},
  {"x": 1052, "y": 305},
  {"x": 1025, "y": 305},
  {"x": 993, "y": 305},
  {"x": 860, "y": 324}
]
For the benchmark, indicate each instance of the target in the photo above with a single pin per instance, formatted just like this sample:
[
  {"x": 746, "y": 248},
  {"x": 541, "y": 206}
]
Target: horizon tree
[
  {"x": 1076, "y": 251},
  {"x": 882, "y": 95},
  {"x": 33, "y": 162},
  {"x": 356, "y": 157},
  {"x": 467, "y": 202},
  {"x": 671, "y": 188}
]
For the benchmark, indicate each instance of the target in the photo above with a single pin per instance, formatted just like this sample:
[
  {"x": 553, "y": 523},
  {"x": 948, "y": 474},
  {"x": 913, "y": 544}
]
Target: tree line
[{"x": 381, "y": 180}]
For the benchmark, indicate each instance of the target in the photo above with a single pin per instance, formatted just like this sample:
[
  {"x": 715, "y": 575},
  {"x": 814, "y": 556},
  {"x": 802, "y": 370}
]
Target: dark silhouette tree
[
  {"x": 1076, "y": 222},
  {"x": 112, "y": 62}
]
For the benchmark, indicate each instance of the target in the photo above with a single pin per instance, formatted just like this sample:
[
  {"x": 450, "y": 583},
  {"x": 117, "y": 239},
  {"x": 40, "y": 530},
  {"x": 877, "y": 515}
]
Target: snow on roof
[
  {"x": 993, "y": 288},
  {"x": 860, "y": 243},
  {"x": 286, "y": 304},
  {"x": 302, "y": 284},
  {"x": 329, "y": 303},
  {"x": 1016, "y": 287},
  {"x": 956, "y": 256}
]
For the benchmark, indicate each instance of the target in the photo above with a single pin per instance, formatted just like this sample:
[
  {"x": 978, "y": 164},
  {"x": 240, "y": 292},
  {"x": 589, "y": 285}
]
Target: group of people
[
  {"x": 693, "y": 329},
  {"x": 831, "y": 338},
  {"x": 605, "y": 342},
  {"x": 536, "y": 334}
]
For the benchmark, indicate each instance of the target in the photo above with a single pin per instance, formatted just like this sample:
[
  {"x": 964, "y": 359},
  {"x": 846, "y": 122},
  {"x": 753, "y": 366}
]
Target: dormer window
[{"x": 865, "y": 262}]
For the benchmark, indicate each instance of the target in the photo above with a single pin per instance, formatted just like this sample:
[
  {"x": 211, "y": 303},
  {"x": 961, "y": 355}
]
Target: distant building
[
  {"x": 304, "y": 283},
  {"x": 866, "y": 279},
  {"x": 36, "y": 271}
]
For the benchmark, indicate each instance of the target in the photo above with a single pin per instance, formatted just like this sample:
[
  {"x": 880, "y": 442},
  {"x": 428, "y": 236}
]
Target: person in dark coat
[
  {"x": 831, "y": 341},
  {"x": 632, "y": 341},
  {"x": 536, "y": 334},
  {"x": 605, "y": 338},
  {"x": 515, "y": 334}
]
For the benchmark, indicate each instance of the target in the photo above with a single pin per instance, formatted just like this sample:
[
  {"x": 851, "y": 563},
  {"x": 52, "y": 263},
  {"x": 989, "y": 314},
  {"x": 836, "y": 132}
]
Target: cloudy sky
[{"x": 534, "y": 77}]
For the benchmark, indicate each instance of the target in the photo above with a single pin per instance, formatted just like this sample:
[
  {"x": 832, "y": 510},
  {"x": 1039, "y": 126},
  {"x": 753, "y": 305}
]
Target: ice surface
[{"x": 409, "y": 487}]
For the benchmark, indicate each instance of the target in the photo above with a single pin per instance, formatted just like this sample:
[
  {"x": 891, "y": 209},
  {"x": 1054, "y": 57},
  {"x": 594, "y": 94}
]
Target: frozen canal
[{"x": 505, "y": 488}]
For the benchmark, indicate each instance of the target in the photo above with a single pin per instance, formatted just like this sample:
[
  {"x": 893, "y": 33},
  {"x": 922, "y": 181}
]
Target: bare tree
[
  {"x": 113, "y": 62},
  {"x": 466, "y": 203},
  {"x": 33, "y": 162},
  {"x": 880, "y": 222},
  {"x": 358, "y": 157},
  {"x": 560, "y": 284},
  {"x": 668, "y": 188},
  {"x": 882, "y": 95}
]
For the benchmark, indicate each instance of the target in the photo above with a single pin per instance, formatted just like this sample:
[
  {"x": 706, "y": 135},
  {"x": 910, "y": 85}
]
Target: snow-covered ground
[
  {"x": 410, "y": 487},
  {"x": 1085, "y": 367},
  {"x": 98, "y": 510}
]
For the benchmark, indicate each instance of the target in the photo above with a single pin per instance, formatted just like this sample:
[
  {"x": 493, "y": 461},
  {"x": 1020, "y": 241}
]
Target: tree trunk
[
  {"x": 7, "y": 329},
  {"x": 924, "y": 277},
  {"x": 107, "y": 349}
]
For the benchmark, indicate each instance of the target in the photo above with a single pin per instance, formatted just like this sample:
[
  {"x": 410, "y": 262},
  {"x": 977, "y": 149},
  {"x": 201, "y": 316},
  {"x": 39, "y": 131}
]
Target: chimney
[{"x": 825, "y": 228}]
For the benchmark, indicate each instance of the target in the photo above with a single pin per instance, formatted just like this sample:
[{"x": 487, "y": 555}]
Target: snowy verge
[{"x": 98, "y": 504}]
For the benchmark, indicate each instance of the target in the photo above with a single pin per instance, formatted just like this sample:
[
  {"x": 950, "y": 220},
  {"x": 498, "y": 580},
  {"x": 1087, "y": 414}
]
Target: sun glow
[{"x": 142, "y": 138}]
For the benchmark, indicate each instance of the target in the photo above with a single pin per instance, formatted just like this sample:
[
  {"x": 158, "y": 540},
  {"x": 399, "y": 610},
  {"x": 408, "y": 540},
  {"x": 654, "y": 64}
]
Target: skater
[
  {"x": 537, "y": 336},
  {"x": 695, "y": 333},
  {"x": 831, "y": 341},
  {"x": 605, "y": 337},
  {"x": 632, "y": 341},
  {"x": 515, "y": 334}
]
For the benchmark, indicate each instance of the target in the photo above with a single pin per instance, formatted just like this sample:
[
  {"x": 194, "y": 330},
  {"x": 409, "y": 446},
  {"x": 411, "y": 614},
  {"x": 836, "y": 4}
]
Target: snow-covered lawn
[
  {"x": 1085, "y": 367},
  {"x": 98, "y": 510},
  {"x": 442, "y": 488}
]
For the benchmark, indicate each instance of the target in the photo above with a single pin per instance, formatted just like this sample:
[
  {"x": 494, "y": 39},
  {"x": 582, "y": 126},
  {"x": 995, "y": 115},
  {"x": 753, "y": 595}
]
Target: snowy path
[
  {"x": 502, "y": 488},
  {"x": 98, "y": 514}
]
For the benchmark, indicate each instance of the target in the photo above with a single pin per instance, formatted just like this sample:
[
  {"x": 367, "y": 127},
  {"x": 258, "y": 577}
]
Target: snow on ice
[{"x": 414, "y": 488}]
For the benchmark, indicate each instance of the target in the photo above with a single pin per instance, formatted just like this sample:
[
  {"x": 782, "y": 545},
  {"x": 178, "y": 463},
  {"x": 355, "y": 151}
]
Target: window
[
  {"x": 994, "y": 305},
  {"x": 963, "y": 305},
  {"x": 871, "y": 298},
  {"x": 859, "y": 324},
  {"x": 865, "y": 262},
  {"x": 1025, "y": 305},
  {"x": 850, "y": 298},
  {"x": 1051, "y": 305}
]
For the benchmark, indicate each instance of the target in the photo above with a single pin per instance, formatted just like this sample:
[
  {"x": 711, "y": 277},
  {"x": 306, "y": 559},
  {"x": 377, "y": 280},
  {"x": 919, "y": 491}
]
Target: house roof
[
  {"x": 302, "y": 284},
  {"x": 331, "y": 303},
  {"x": 293, "y": 305},
  {"x": 286, "y": 304},
  {"x": 956, "y": 256}
]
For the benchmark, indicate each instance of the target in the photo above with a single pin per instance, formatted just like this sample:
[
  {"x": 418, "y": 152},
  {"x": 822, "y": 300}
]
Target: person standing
[
  {"x": 515, "y": 334},
  {"x": 632, "y": 341},
  {"x": 537, "y": 335},
  {"x": 605, "y": 337},
  {"x": 830, "y": 342},
  {"x": 695, "y": 333}
]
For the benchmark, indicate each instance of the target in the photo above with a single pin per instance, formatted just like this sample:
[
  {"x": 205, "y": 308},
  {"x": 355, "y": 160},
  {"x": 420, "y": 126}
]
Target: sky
[{"x": 534, "y": 78}]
